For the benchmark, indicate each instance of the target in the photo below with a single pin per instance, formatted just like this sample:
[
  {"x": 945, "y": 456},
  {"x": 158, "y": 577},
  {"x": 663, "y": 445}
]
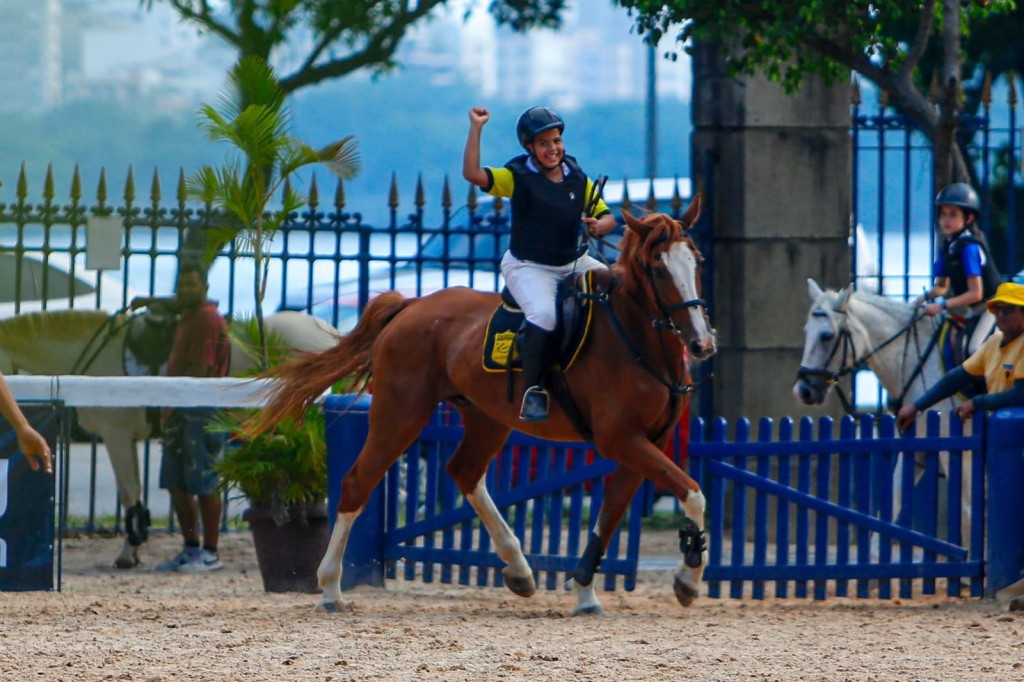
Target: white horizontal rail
[{"x": 85, "y": 391}]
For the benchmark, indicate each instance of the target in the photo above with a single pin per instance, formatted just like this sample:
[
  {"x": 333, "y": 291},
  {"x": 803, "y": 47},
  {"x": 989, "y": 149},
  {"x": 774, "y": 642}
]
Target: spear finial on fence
[
  {"x": 393, "y": 192},
  {"x": 286, "y": 189},
  {"x": 677, "y": 199},
  {"x": 182, "y": 190},
  {"x": 48, "y": 192},
  {"x": 101, "y": 188},
  {"x": 986, "y": 89},
  {"x": 652, "y": 201},
  {"x": 626, "y": 203},
  {"x": 313, "y": 196},
  {"x": 154, "y": 188},
  {"x": 883, "y": 98},
  {"x": 498, "y": 205},
  {"x": 339, "y": 196},
  {"x": 855, "y": 91},
  {"x": 1012, "y": 90},
  {"x": 129, "y": 187},
  {"x": 21, "y": 191},
  {"x": 446, "y": 195},
  {"x": 471, "y": 198},
  {"x": 76, "y": 186}
]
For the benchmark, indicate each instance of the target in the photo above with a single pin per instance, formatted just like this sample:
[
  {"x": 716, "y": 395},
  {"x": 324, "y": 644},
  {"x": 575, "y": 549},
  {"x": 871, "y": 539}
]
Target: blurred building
[{"x": 30, "y": 55}]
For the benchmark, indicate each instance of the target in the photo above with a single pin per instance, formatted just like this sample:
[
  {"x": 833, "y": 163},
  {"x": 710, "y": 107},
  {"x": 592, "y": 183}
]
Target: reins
[
  {"x": 848, "y": 366},
  {"x": 96, "y": 344}
]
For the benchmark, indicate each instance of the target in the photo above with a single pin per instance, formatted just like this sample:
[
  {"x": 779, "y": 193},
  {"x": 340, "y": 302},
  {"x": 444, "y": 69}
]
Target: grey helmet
[
  {"x": 959, "y": 194},
  {"x": 536, "y": 120}
]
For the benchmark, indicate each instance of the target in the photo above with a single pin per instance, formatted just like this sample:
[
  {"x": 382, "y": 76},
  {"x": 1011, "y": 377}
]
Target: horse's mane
[
  {"x": 636, "y": 249},
  {"x": 52, "y": 323},
  {"x": 899, "y": 309}
]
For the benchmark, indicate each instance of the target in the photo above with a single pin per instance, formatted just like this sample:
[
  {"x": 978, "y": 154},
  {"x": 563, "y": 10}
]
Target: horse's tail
[{"x": 305, "y": 377}]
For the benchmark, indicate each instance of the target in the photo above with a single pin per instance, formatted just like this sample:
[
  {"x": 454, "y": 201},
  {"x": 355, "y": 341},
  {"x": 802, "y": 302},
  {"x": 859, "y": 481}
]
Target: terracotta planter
[{"x": 288, "y": 553}]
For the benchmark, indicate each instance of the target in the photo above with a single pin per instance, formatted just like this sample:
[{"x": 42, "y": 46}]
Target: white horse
[
  {"x": 897, "y": 342},
  {"x": 93, "y": 342}
]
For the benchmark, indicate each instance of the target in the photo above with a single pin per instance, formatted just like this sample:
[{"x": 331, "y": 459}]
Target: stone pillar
[{"x": 777, "y": 171}]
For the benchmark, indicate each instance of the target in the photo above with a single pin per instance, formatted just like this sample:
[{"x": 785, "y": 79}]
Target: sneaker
[
  {"x": 204, "y": 562},
  {"x": 187, "y": 555}
]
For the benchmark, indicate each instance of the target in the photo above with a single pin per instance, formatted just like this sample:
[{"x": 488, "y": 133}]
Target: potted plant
[
  {"x": 283, "y": 475},
  {"x": 283, "y": 472}
]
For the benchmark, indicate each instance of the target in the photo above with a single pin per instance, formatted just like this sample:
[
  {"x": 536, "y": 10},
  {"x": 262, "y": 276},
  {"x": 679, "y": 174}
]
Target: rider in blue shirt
[
  {"x": 549, "y": 194},
  {"x": 964, "y": 272}
]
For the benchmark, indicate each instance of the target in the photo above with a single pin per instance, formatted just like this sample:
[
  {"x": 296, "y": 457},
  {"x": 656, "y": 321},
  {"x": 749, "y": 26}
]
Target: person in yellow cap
[{"x": 1000, "y": 361}]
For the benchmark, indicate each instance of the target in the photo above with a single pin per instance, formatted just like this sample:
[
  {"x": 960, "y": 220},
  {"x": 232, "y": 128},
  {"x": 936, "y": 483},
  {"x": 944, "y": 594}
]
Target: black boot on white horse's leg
[{"x": 582, "y": 581}]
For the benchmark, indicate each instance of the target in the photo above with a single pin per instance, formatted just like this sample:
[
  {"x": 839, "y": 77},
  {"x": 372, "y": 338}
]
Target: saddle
[
  {"x": 150, "y": 337},
  {"x": 575, "y": 311}
]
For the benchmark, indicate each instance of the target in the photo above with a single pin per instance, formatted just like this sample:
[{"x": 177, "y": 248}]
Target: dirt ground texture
[{"x": 139, "y": 625}]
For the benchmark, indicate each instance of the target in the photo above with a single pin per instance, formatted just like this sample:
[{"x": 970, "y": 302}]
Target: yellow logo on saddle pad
[{"x": 503, "y": 351}]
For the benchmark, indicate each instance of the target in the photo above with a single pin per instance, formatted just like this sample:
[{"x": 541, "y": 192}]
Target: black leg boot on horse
[{"x": 533, "y": 353}]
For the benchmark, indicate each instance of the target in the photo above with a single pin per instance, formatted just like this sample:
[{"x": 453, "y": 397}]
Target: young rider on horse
[
  {"x": 964, "y": 272},
  {"x": 549, "y": 194}
]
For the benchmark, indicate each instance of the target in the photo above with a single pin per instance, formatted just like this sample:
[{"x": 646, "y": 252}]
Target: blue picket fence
[
  {"x": 807, "y": 510},
  {"x": 549, "y": 493}
]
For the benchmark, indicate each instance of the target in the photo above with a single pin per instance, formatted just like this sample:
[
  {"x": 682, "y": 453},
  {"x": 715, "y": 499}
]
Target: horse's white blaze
[
  {"x": 682, "y": 264},
  {"x": 328, "y": 574},
  {"x": 505, "y": 542}
]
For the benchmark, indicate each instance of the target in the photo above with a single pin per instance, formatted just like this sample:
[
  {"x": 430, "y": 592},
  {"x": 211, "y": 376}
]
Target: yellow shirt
[
  {"x": 999, "y": 366},
  {"x": 505, "y": 184}
]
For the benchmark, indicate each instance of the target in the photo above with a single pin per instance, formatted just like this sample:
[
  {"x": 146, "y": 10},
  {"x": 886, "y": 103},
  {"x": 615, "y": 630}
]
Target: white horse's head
[{"x": 828, "y": 347}]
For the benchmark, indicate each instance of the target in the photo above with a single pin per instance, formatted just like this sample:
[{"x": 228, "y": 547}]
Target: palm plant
[{"x": 251, "y": 115}]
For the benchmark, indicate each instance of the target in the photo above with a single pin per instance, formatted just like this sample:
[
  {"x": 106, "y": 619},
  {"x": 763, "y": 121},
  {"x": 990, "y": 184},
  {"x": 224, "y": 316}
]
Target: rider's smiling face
[{"x": 548, "y": 148}]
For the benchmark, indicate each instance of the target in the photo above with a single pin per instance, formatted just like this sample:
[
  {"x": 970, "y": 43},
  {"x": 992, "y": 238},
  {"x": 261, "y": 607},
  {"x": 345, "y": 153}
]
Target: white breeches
[{"x": 534, "y": 285}]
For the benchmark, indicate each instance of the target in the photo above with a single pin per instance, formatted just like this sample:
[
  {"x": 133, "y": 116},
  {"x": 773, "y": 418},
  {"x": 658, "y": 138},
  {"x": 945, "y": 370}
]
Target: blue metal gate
[{"x": 820, "y": 510}]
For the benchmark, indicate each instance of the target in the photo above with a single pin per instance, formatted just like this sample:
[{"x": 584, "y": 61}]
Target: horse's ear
[
  {"x": 842, "y": 300},
  {"x": 692, "y": 212},
  {"x": 813, "y": 289},
  {"x": 634, "y": 224}
]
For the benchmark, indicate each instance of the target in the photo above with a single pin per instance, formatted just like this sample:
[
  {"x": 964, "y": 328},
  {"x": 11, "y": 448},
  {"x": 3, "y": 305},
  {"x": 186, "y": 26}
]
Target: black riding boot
[{"x": 532, "y": 351}]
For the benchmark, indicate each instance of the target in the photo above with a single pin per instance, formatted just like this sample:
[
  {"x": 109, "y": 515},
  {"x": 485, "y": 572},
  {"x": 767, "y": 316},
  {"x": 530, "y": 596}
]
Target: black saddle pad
[{"x": 574, "y": 321}]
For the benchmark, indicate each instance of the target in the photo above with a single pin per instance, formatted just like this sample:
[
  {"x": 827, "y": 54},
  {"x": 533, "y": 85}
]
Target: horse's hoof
[
  {"x": 524, "y": 587},
  {"x": 589, "y": 610},
  {"x": 684, "y": 593},
  {"x": 329, "y": 607},
  {"x": 126, "y": 562}
]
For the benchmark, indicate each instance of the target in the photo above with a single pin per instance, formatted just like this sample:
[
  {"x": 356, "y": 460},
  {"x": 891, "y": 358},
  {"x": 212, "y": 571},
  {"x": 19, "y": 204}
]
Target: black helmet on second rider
[
  {"x": 959, "y": 194},
  {"x": 535, "y": 121}
]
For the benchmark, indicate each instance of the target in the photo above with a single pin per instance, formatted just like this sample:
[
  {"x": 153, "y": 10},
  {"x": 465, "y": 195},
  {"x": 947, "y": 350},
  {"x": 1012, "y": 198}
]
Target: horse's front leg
[
  {"x": 621, "y": 489},
  {"x": 646, "y": 460}
]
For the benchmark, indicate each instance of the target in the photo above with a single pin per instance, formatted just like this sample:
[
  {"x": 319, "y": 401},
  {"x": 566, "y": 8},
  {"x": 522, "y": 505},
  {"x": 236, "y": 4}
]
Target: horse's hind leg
[
  {"x": 394, "y": 425},
  {"x": 468, "y": 467}
]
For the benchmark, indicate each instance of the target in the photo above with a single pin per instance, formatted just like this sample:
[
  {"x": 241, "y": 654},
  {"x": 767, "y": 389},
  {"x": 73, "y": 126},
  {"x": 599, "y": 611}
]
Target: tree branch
[
  {"x": 204, "y": 18},
  {"x": 920, "y": 42}
]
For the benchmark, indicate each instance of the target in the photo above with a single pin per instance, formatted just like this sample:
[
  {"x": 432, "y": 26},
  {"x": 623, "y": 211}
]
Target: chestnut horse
[{"x": 630, "y": 383}]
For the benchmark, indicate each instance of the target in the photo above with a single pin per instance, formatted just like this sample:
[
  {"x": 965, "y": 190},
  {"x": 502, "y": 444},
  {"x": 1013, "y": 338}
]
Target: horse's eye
[{"x": 827, "y": 336}]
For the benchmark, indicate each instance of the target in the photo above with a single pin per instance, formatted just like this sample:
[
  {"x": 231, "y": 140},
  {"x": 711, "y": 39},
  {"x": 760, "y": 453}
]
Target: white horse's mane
[{"x": 50, "y": 324}]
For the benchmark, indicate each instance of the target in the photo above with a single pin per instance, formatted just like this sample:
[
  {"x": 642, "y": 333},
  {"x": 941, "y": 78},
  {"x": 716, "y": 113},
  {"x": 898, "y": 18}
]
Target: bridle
[{"x": 849, "y": 362}]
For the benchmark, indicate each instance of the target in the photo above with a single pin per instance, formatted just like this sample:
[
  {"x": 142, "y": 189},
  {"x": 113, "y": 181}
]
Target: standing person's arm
[
  {"x": 471, "y": 170},
  {"x": 30, "y": 441},
  {"x": 951, "y": 382}
]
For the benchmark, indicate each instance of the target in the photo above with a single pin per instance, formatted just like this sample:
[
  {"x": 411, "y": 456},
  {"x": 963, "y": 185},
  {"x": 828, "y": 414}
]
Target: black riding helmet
[
  {"x": 959, "y": 194},
  {"x": 535, "y": 121}
]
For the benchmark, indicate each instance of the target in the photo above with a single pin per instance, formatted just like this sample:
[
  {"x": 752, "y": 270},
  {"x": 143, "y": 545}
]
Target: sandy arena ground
[{"x": 140, "y": 625}]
